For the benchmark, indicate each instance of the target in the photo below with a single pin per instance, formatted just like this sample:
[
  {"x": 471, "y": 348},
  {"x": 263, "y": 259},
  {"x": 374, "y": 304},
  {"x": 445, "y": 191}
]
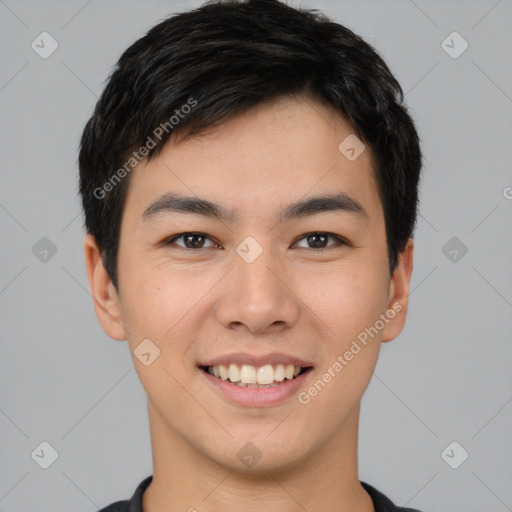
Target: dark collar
[{"x": 381, "y": 502}]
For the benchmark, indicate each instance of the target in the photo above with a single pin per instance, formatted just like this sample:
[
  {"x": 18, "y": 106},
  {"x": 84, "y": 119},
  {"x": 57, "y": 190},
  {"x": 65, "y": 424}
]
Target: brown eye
[
  {"x": 191, "y": 240},
  {"x": 318, "y": 240}
]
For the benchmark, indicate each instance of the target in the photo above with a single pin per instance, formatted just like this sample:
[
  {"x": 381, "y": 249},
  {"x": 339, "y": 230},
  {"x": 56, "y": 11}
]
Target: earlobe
[
  {"x": 399, "y": 293},
  {"x": 106, "y": 300}
]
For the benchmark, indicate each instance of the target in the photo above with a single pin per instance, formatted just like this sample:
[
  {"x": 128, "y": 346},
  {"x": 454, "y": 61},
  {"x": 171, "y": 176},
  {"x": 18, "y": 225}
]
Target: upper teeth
[{"x": 248, "y": 374}]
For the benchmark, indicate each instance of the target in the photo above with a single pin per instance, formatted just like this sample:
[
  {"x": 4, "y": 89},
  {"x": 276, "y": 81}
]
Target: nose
[{"x": 256, "y": 297}]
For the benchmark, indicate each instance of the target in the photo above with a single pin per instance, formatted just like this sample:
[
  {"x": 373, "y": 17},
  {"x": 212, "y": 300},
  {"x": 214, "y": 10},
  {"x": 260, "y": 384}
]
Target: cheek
[
  {"x": 346, "y": 300},
  {"x": 170, "y": 306},
  {"x": 156, "y": 297},
  {"x": 347, "y": 305},
  {"x": 152, "y": 307},
  {"x": 158, "y": 307}
]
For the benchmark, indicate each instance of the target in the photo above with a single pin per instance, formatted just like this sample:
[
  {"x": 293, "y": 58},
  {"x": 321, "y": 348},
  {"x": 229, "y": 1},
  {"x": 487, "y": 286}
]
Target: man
[{"x": 250, "y": 186}]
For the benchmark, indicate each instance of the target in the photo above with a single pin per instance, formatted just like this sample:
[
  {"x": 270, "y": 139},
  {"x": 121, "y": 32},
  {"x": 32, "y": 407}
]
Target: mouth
[
  {"x": 258, "y": 377},
  {"x": 255, "y": 380}
]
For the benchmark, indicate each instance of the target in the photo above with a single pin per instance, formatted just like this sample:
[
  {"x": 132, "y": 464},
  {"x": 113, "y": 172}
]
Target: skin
[{"x": 201, "y": 303}]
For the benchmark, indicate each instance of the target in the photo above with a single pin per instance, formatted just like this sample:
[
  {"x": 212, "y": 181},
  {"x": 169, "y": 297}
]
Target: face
[{"x": 261, "y": 286}]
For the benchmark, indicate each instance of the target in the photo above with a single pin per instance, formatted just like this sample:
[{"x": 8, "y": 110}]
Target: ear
[
  {"x": 106, "y": 300},
  {"x": 398, "y": 301}
]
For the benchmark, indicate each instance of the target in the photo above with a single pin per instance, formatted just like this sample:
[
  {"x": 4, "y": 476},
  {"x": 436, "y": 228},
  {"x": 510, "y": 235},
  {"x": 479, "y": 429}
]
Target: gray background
[{"x": 446, "y": 378}]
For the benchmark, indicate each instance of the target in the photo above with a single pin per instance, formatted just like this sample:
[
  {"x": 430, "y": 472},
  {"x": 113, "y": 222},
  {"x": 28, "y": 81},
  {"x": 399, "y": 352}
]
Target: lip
[
  {"x": 256, "y": 360},
  {"x": 256, "y": 397}
]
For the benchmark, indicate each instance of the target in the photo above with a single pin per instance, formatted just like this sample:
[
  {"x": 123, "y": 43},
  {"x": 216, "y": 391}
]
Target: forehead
[{"x": 257, "y": 162}]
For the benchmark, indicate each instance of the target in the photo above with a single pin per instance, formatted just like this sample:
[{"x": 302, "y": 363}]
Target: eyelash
[{"x": 340, "y": 241}]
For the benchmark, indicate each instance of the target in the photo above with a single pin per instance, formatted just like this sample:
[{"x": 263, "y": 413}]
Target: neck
[{"x": 184, "y": 479}]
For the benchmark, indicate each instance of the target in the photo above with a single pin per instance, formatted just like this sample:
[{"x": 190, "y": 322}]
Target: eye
[
  {"x": 195, "y": 240},
  {"x": 192, "y": 240},
  {"x": 319, "y": 240}
]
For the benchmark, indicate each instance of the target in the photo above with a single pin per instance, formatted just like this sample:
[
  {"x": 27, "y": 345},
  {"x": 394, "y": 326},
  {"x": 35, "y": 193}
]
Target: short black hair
[{"x": 207, "y": 65}]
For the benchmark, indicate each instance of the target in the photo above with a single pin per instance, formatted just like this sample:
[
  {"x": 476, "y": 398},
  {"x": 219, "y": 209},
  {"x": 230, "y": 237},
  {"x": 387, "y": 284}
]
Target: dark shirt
[{"x": 381, "y": 503}]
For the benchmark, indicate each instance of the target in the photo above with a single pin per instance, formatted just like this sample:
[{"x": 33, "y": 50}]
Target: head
[{"x": 277, "y": 143}]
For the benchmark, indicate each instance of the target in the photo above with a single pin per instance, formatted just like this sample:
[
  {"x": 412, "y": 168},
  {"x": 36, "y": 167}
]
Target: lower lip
[{"x": 257, "y": 397}]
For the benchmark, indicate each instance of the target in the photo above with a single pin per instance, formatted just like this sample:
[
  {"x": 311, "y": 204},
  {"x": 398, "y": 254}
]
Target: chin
[{"x": 253, "y": 455}]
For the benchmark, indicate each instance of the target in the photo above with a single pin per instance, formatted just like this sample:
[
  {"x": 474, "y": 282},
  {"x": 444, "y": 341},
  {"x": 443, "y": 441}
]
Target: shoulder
[
  {"x": 132, "y": 505},
  {"x": 382, "y": 503}
]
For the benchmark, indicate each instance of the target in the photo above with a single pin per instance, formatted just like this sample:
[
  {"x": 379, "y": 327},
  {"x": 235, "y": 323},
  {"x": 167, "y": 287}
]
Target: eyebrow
[{"x": 174, "y": 203}]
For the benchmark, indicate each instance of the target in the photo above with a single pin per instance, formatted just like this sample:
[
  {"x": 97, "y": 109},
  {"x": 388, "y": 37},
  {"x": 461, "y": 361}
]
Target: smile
[
  {"x": 248, "y": 385},
  {"x": 249, "y": 376}
]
